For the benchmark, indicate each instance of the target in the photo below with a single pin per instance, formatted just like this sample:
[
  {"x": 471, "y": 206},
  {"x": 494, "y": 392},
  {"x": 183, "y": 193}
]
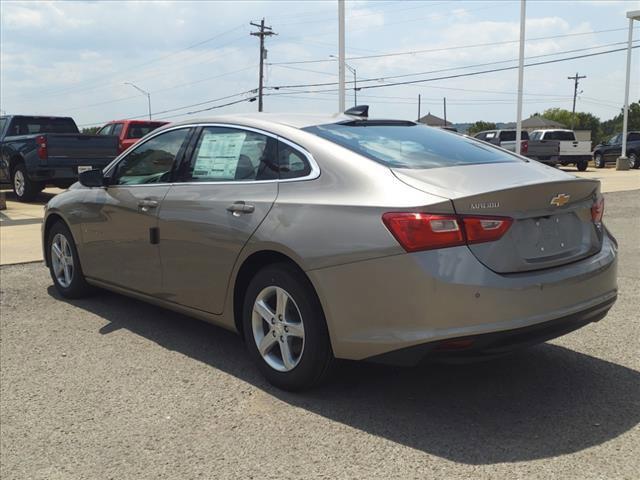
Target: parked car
[
  {"x": 320, "y": 237},
  {"x": 608, "y": 152},
  {"x": 129, "y": 131},
  {"x": 571, "y": 151},
  {"x": 545, "y": 152},
  {"x": 37, "y": 151}
]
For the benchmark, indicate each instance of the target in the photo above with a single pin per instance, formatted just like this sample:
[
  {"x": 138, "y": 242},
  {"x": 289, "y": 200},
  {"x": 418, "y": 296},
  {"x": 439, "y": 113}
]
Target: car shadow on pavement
[{"x": 541, "y": 403}]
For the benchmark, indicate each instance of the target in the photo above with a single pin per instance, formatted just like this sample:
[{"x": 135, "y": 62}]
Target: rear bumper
[
  {"x": 565, "y": 159},
  {"x": 66, "y": 171},
  {"x": 495, "y": 344},
  {"x": 386, "y": 304}
]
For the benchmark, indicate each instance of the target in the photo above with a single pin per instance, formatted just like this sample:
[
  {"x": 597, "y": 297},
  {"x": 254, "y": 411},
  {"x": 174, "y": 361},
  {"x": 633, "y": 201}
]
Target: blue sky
[{"x": 72, "y": 58}]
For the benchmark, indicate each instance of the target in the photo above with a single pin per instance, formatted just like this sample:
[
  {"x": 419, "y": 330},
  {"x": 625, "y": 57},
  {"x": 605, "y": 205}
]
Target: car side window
[
  {"x": 151, "y": 162},
  {"x": 117, "y": 129},
  {"x": 292, "y": 163},
  {"x": 106, "y": 130},
  {"x": 489, "y": 135},
  {"x": 225, "y": 154},
  {"x": 616, "y": 140}
]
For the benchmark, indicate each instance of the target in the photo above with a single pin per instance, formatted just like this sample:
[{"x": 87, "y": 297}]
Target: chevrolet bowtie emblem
[{"x": 560, "y": 199}]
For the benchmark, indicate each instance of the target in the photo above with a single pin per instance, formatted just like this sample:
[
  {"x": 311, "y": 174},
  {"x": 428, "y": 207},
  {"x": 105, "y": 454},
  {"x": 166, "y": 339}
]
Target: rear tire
[
  {"x": 634, "y": 161},
  {"x": 64, "y": 263},
  {"x": 598, "y": 160},
  {"x": 283, "y": 315},
  {"x": 24, "y": 188},
  {"x": 582, "y": 165}
]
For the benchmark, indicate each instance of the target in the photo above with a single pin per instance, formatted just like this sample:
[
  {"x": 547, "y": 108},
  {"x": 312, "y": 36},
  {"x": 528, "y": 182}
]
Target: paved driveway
[{"x": 109, "y": 387}]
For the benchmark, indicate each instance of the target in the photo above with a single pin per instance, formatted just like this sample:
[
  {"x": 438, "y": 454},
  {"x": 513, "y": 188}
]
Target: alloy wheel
[
  {"x": 19, "y": 182},
  {"x": 62, "y": 260},
  {"x": 278, "y": 329}
]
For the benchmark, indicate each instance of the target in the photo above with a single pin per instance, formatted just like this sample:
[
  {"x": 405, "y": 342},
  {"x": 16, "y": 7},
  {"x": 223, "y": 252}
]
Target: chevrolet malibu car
[{"x": 339, "y": 237}]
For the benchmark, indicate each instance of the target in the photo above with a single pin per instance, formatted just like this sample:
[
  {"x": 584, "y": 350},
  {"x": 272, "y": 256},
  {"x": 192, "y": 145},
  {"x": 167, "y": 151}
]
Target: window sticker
[{"x": 218, "y": 155}]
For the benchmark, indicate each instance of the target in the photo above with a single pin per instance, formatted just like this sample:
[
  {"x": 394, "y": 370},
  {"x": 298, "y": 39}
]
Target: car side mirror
[{"x": 92, "y": 178}]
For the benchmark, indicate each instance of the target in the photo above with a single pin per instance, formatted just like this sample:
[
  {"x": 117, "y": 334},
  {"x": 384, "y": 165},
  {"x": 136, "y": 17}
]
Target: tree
[
  {"x": 479, "y": 126},
  {"x": 614, "y": 125},
  {"x": 581, "y": 120},
  {"x": 90, "y": 130}
]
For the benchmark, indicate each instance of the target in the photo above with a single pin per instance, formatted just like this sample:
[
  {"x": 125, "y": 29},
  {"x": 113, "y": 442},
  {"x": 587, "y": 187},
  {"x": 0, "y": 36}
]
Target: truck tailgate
[{"x": 70, "y": 148}]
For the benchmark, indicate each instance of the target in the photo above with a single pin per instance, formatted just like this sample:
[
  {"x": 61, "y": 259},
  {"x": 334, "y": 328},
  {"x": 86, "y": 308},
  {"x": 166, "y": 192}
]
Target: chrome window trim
[{"x": 315, "y": 169}]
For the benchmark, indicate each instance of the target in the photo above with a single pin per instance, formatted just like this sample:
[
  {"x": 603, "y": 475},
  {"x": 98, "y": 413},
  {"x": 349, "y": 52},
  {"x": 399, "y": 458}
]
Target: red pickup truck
[{"x": 128, "y": 131}]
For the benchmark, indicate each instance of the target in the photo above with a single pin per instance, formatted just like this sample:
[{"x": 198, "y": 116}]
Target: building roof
[
  {"x": 538, "y": 121},
  {"x": 433, "y": 121}
]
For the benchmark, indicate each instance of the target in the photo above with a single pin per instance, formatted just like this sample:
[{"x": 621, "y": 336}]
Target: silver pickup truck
[
  {"x": 545, "y": 152},
  {"x": 571, "y": 150}
]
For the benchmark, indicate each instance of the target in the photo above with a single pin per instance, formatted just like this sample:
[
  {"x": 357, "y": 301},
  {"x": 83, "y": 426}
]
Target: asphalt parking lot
[{"x": 109, "y": 387}]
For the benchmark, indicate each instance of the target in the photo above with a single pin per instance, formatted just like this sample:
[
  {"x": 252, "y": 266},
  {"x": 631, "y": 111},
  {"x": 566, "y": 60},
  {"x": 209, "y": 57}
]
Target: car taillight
[
  {"x": 524, "y": 147},
  {"x": 485, "y": 229},
  {"x": 425, "y": 231},
  {"x": 41, "y": 141},
  {"x": 597, "y": 209}
]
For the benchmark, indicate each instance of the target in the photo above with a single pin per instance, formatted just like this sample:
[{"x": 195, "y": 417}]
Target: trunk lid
[{"x": 551, "y": 211}]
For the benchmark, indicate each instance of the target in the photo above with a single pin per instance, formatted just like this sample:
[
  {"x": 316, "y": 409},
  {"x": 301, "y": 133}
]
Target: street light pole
[
  {"x": 341, "y": 56},
  {"x": 144, "y": 93},
  {"x": 622, "y": 163},
  {"x": 523, "y": 15}
]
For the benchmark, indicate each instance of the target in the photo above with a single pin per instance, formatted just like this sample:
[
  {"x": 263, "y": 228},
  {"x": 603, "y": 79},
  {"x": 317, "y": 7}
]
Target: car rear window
[
  {"x": 510, "y": 135},
  {"x": 139, "y": 130},
  {"x": 409, "y": 145},
  {"x": 31, "y": 125},
  {"x": 559, "y": 135}
]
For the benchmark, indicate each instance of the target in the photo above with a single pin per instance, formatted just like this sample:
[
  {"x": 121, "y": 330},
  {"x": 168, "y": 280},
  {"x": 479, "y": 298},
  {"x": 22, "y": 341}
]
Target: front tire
[
  {"x": 634, "y": 161},
  {"x": 64, "y": 263},
  {"x": 24, "y": 188},
  {"x": 582, "y": 165},
  {"x": 598, "y": 159},
  {"x": 285, "y": 329}
]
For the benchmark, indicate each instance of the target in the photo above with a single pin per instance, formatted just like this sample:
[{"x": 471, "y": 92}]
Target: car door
[
  {"x": 119, "y": 226},
  {"x": 614, "y": 149},
  {"x": 225, "y": 191}
]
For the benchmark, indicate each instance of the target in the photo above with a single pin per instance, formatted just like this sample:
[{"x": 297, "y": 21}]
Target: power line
[
  {"x": 457, "y": 47},
  {"x": 383, "y": 79},
  {"x": 129, "y": 69}
]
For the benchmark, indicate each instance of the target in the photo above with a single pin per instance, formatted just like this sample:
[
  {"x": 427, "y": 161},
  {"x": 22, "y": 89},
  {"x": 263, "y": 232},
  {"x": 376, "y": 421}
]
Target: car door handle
[
  {"x": 146, "y": 205},
  {"x": 240, "y": 207}
]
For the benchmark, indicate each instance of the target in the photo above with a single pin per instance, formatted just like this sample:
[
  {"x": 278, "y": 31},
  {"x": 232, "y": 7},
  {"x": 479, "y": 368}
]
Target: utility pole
[
  {"x": 264, "y": 32},
  {"x": 445, "y": 111},
  {"x": 419, "y": 102},
  {"x": 576, "y": 80}
]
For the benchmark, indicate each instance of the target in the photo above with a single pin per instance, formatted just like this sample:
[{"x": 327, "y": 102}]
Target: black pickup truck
[
  {"x": 609, "y": 151},
  {"x": 40, "y": 151}
]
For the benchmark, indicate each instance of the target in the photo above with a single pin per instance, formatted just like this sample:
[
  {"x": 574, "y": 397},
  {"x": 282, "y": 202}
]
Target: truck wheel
[
  {"x": 598, "y": 159},
  {"x": 24, "y": 188},
  {"x": 582, "y": 165},
  {"x": 634, "y": 160}
]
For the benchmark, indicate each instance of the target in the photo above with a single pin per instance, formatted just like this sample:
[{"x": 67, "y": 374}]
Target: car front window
[{"x": 151, "y": 162}]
